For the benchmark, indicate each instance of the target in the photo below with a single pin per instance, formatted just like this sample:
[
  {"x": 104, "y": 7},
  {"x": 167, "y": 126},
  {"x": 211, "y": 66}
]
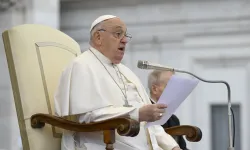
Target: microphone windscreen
[{"x": 142, "y": 64}]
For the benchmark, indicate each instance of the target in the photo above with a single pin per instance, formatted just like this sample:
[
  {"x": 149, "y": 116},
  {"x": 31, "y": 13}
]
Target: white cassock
[{"x": 88, "y": 89}]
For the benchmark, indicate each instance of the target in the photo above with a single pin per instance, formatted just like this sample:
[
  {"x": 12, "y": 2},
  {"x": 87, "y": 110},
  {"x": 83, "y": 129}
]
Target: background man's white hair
[{"x": 154, "y": 78}]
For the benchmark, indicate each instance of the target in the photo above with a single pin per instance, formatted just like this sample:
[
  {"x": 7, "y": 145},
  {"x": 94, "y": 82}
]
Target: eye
[{"x": 118, "y": 34}]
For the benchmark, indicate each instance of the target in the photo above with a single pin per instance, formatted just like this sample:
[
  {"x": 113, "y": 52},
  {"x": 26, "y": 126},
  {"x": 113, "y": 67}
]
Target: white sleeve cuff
[
  {"x": 108, "y": 113},
  {"x": 164, "y": 140},
  {"x": 134, "y": 114}
]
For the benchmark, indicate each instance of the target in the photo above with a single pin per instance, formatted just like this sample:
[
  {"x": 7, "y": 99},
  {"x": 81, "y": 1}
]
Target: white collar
[
  {"x": 100, "y": 56},
  {"x": 153, "y": 100}
]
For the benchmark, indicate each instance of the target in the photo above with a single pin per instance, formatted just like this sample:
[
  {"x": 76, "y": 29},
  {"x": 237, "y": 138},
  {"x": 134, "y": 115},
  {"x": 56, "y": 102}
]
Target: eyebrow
[{"x": 119, "y": 27}]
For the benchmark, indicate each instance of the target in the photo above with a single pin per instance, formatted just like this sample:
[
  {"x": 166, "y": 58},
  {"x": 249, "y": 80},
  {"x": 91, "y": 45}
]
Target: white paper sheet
[{"x": 176, "y": 91}]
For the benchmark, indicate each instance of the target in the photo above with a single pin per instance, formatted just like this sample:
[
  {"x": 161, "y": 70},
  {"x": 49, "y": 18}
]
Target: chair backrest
[{"x": 36, "y": 57}]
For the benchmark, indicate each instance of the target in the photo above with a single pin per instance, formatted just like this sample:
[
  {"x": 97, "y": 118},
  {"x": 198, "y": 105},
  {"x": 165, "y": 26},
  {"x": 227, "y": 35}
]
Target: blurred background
[{"x": 210, "y": 38}]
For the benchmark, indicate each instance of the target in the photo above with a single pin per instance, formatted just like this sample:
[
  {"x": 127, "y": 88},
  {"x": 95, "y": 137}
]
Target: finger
[
  {"x": 161, "y": 105},
  {"x": 161, "y": 111}
]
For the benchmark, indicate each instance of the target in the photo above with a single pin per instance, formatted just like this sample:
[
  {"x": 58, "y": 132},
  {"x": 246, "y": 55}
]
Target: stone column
[
  {"x": 8, "y": 120},
  {"x": 27, "y": 11},
  {"x": 45, "y": 12}
]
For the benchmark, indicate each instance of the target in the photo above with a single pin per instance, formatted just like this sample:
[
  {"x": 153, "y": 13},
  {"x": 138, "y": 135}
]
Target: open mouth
[{"x": 121, "y": 48}]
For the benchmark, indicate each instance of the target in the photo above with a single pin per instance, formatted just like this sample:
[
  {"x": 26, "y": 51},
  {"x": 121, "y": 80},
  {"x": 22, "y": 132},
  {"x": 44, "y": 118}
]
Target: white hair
[
  {"x": 155, "y": 78},
  {"x": 95, "y": 29}
]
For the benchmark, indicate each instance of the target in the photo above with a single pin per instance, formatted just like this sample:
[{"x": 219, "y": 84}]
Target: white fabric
[
  {"x": 86, "y": 88},
  {"x": 100, "y": 19}
]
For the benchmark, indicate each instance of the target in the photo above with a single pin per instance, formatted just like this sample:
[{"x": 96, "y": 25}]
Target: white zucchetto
[{"x": 100, "y": 19}]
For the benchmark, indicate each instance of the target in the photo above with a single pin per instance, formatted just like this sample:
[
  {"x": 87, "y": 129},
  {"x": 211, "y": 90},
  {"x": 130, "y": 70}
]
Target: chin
[{"x": 117, "y": 61}]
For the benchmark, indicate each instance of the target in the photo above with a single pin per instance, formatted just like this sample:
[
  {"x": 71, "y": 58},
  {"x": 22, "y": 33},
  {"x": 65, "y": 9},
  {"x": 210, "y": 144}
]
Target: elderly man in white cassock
[{"x": 96, "y": 87}]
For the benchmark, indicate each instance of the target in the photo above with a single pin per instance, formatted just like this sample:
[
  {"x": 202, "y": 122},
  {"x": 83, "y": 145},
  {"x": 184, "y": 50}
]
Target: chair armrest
[
  {"x": 124, "y": 126},
  {"x": 192, "y": 133}
]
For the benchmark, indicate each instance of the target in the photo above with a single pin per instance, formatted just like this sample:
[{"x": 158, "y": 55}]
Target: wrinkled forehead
[{"x": 115, "y": 24}]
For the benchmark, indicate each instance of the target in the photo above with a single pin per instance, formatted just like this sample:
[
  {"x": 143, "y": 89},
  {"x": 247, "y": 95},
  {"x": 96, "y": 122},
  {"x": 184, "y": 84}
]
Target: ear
[
  {"x": 97, "y": 38},
  {"x": 154, "y": 89}
]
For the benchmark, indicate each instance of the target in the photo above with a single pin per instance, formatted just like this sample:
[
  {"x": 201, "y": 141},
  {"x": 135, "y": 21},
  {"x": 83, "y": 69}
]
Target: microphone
[
  {"x": 147, "y": 65},
  {"x": 142, "y": 64}
]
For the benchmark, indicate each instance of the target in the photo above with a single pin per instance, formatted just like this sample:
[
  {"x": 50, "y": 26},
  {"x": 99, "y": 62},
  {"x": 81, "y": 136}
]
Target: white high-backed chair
[{"x": 36, "y": 56}]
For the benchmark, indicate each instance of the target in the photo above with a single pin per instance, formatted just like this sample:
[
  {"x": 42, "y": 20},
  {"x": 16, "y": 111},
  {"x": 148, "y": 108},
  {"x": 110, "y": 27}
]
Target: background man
[
  {"x": 96, "y": 86},
  {"x": 157, "y": 81}
]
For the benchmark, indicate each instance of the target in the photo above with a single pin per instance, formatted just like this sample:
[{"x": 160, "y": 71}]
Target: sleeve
[
  {"x": 85, "y": 92},
  {"x": 176, "y": 120},
  {"x": 108, "y": 113},
  {"x": 164, "y": 140}
]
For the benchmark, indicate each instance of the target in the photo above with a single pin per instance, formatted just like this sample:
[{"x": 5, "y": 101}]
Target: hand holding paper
[{"x": 176, "y": 91}]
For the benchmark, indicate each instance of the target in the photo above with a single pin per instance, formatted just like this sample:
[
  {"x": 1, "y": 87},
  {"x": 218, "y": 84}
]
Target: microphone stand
[
  {"x": 146, "y": 65},
  {"x": 231, "y": 136}
]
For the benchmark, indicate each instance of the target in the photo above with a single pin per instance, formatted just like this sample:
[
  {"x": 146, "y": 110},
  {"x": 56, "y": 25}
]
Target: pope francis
[{"x": 96, "y": 86}]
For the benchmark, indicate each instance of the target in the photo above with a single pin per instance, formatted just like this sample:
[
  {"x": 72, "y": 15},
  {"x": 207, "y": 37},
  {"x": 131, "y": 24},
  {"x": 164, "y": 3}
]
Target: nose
[{"x": 124, "y": 40}]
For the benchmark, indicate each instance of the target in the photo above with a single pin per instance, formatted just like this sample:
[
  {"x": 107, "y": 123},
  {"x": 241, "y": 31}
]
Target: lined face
[
  {"x": 159, "y": 87},
  {"x": 113, "y": 39}
]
